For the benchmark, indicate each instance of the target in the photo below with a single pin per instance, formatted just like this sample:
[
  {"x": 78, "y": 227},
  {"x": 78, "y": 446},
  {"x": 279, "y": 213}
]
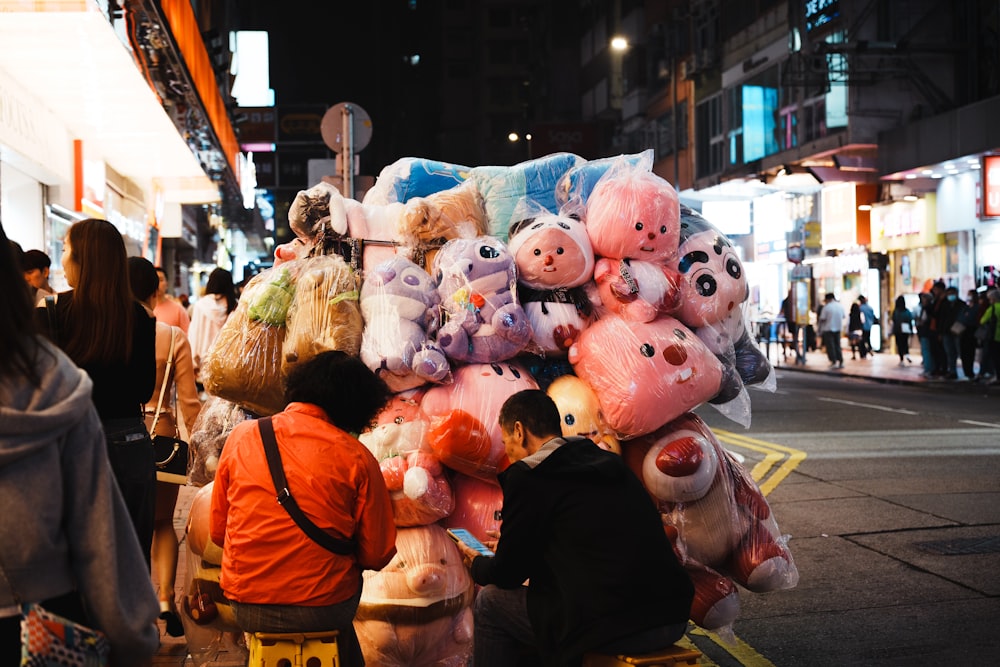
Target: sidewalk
[{"x": 880, "y": 367}]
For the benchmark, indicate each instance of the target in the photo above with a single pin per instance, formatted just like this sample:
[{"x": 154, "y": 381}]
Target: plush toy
[
  {"x": 208, "y": 434},
  {"x": 581, "y": 412},
  {"x": 416, "y": 611},
  {"x": 478, "y": 507},
  {"x": 297, "y": 248},
  {"x": 419, "y": 488},
  {"x": 410, "y": 177},
  {"x": 723, "y": 523},
  {"x": 430, "y": 222},
  {"x": 633, "y": 219},
  {"x": 503, "y": 188},
  {"x": 324, "y": 314},
  {"x": 205, "y": 604},
  {"x": 645, "y": 373},
  {"x": 464, "y": 432},
  {"x": 476, "y": 280},
  {"x": 554, "y": 259},
  {"x": 713, "y": 287},
  {"x": 575, "y": 186},
  {"x": 399, "y": 302}
]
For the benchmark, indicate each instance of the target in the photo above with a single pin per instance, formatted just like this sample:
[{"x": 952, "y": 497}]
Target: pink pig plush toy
[{"x": 633, "y": 220}]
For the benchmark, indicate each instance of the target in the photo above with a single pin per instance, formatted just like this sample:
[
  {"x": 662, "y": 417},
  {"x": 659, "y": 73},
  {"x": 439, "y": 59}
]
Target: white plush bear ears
[
  {"x": 320, "y": 206},
  {"x": 569, "y": 224}
]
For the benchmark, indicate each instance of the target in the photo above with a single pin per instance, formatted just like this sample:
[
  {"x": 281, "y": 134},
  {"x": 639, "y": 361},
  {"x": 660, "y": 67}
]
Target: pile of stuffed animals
[{"x": 461, "y": 286}]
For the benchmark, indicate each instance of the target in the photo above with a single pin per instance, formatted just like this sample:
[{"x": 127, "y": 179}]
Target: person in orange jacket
[{"x": 277, "y": 578}]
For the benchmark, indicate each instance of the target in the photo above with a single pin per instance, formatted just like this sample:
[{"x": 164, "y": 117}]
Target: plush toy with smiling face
[
  {"x": 723, "y": 525},
  {"x": 633, "y": 220},
  {"x": 417, "y": 610},
  {"x": 580, "y": 412},
  {"x": 644, "y": 373},
  {"x": 554, "y": 260},
  {"x": 476, "y": 280},
  {"x": 399, "y": 302}
]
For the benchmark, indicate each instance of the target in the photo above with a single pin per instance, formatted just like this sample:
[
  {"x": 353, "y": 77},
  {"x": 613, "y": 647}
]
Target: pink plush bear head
[
  {"x": 478, "y": 506},
  {"x": 645, "y": 373},
  {"x": 417, "y": 609},
  {"x": 634, "y": 213},
  {"x": 464, "y": 431}
]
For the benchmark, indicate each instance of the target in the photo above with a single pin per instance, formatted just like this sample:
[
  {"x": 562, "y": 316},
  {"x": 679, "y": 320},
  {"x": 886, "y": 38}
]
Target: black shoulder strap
[{"x": 285, "y": 499}]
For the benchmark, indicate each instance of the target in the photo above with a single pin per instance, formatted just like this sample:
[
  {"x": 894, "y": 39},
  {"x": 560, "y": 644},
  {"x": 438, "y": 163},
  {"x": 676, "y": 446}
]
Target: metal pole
[{"x": 347, "y": 156}]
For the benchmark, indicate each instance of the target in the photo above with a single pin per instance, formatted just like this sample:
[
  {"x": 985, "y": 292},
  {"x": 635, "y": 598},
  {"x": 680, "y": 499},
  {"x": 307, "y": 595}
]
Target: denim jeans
[
  {"x": 831, "y": 340},
  {"x": 291, "y": 618},
  {"x": 130, "y": 451},
  {"x": 950, "y": 342},
  {"x": 503, "y": 631},
  {"x": 927, "y": 353}
]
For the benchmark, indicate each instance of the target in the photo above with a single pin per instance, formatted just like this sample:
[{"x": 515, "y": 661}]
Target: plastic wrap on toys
[
  {"x": 208, "y": 618},
  {"x": 503, "y": 188},
  {"x": 721, "y": 518},
  {"x": 419, "y": 487},
  {"x": 215, "y": 422},
  {"x": 483, "y": 321},
  {"x": 554, "y": 260},
  {"x": 577, "y": 183},
  {"x": 645, "y": 373},
  {"x": 244, "y": 364},
  {"x": 462, "y": 416},
  {"x": 410, "y": 177},
  {"x": 399, "y": 302},
  {"x": 580, "y": 412},
  {"x": 429, "y": 222},
  {"x": 416, "y": 611},
  {"x": 478, "y": 507},
  {"x": 324, "y": 314}
]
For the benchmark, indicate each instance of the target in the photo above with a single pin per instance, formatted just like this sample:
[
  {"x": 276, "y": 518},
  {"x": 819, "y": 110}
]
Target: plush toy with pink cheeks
[
  {"x": 645, "y": 373},
  {"x": 419, "y": 487},
  {"x": 713, "y": 289},
  {"x": 723, "y": 523},
  {"x": 463, "y": 429},
  {"x": 399, "y": 302},
  {"x": 416, "y": 611},
  {"x": 554, "y": 260},
  {"x": 478, "y": 506},
  {"x": 581, "y": 412},
  {"x": 476, "y": 280},
  {"x": 633, "y": 220}
]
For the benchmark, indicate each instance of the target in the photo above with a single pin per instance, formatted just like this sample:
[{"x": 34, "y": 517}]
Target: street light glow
[
  {"x": 512, "y": 137},
  {"x": 619, "y": 43}
]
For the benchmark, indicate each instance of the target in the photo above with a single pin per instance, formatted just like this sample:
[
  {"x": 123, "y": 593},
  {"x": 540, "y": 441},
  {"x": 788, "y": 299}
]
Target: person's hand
[
  {"x": 492, "y": 544},
  {"x": 468, "y": 553}
]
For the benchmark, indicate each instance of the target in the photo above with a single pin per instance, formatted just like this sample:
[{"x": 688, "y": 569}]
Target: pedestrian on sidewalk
[
  {"x": 868, "y": 320},
  {"x": 831, "y": 327},
  {"x": 902, "y": 329},
  {"x": 924, "y": 334},
  {"x": 991, "y": 319},
  {"x": 854, "y": 330},
  {"x": 947, "y": 317},
  {"x": 937, "y": 328}
]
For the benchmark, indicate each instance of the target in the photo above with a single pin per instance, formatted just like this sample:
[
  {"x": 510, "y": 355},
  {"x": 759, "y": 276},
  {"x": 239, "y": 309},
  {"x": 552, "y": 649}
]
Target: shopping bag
[
  {"x": 49, "y": 640},
  {"x": 171, "y": 459}
]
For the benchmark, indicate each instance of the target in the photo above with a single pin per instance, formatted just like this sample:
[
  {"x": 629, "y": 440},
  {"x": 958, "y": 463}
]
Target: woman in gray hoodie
[{"x": 66, "y": 540}]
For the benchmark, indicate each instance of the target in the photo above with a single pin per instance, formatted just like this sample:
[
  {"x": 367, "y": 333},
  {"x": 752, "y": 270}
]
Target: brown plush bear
[{"x": 428, "y": 222}]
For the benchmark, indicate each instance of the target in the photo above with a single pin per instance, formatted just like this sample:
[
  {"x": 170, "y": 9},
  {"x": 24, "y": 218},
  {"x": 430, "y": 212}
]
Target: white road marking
[
  {"x": 867, "y": 405},
  {"x": 975, "y": 423}
]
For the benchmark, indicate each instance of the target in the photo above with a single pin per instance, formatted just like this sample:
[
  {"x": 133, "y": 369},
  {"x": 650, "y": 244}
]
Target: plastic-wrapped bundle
[
  {"x": 722, "y": 525},
  {"x": 478, "y": 506},
  {"x": 580, "y": 412},
  {"x": 416, "y": 611},
  {"x": 244, "y": 365},
  {"x": 429, "y": 222},
  {"x": 418, "y": 485},
  {"x": 645, "y": 373},
  {"x": 324, "y": 314},
  {"x": 410, "y": 177},
  {"x": 208, "y": 436}
]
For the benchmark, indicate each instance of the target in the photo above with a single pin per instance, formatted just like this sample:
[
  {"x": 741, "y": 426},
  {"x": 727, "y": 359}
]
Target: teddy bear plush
[
  {"x": 324, "y": 314},
  {"x": 419, "y": 487},
  {"x": 417, "y": 610},
  {"x": 644, "y": 373},
  {"x": 554, "y": 260},
  {"x": 724, "y": 526},
  {"x": 463, "y": 429},
  {"x": 633, "y": 220},
  {"x": 399, "y": 302},
  {"x": 431, "y": 221},
  {"x": 483, "y": 321}
]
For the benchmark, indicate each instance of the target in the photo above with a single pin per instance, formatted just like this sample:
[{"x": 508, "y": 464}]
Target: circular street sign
[{"x": 332, "y": 127}]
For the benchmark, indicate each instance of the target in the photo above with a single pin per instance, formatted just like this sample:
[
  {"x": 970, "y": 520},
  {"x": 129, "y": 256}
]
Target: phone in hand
[{"x": 467, "y": 538}]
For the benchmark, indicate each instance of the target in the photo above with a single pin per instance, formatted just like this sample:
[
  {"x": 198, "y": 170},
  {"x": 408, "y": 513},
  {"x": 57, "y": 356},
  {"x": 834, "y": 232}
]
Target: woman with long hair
[
  {"x": 65, "y": 541},
  {"x": 209, "y": 314},
  {"x": 902, "y": 329},
  {"x": 171, "y": 344},
  {"x": 109, "y": 334}
]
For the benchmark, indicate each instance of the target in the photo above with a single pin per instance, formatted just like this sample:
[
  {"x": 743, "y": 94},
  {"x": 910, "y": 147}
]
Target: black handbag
[{"x": 171, "y": 452}]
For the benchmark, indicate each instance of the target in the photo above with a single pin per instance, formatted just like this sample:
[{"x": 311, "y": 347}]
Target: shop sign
[
  {"x": 898, "y": 219},
  {"x": 991, "y": 186},
  {"x": 840, "y": 218},
  {"x": 820, "y": 12}
]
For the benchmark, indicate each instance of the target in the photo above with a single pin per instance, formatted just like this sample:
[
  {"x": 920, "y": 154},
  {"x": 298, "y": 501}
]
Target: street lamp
[
  {"x": 514, "y": 137},
  {"x": 619, "y": 43}
]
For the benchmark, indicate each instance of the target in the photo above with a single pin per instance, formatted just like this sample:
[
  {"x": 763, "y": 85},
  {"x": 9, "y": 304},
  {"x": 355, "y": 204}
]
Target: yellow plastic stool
[
  {"x": 675, "y": 656},
  {"x": 294, "y": 649}
]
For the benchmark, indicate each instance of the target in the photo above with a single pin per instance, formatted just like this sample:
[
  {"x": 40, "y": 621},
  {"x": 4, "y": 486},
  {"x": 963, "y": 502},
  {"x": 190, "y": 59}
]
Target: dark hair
[
  {"x": 143, "y": 277},
  {"x": 35, "y": 259},
  {"x": 829, "y": 296},
  {"x": 342, "y": 385},
  {"x": 535, "y": 410},
  {"x": 18, "y": 345},
  {"x": 900, "y": 302},
  {"x": 220, "y": 281},
  {"x": 100, "y": 322}
]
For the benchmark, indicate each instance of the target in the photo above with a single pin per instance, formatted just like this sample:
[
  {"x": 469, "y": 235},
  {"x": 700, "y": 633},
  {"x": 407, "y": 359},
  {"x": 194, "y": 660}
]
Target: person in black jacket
[{"x": 580, "y": 528}]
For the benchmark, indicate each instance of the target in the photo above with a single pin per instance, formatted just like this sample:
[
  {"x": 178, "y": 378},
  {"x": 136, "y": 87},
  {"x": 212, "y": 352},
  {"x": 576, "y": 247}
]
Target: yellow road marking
[{"x": 773, "y": 454}]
